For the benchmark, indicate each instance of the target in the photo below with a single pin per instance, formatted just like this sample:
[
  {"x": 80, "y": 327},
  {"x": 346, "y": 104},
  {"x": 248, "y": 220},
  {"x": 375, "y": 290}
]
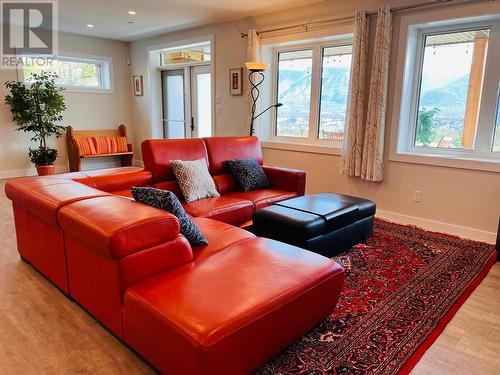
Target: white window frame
[
  {"x": 315, "y": 104},
  {"x": 158, "y": 56},
  {"x": 408, "y": 75},
  {"x": 106, "y": 71}
]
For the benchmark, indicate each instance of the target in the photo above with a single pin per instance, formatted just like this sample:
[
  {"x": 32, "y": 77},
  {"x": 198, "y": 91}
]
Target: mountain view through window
[
  {"x": 450, "y": 89},
  {"x": 294, "y": 92},
  {"x": 295, "y": 70},
  {"x": 335, "y": 79}
]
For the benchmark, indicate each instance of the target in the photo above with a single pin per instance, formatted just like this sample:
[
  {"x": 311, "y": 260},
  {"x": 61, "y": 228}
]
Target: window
[
  {"x": 335, "y": 78},
  {"x": 449, "y": 98},
  {"x": 450, "y": 89},
  {"x": 198, "y": 53},
  {"x": 294, "y": 92},
  {"x": 496, "y": 142},
  {"x": 77, "y": 73},
  {"x": 312, "y": 83}
]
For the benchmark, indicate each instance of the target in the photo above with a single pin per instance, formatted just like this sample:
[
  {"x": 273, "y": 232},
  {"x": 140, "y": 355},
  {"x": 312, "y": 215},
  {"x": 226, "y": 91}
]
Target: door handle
[{"x": 192, "y": 124}]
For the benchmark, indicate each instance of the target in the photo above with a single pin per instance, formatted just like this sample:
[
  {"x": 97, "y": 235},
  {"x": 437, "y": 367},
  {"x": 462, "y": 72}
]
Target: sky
[{"x": 445, "y": 64}]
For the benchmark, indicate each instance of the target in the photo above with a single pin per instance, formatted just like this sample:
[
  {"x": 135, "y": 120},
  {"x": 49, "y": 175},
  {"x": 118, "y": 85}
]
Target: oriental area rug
[{"x": 401, "y": 289}]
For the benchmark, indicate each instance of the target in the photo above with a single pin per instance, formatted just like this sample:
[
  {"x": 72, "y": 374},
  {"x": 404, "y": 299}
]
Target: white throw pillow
[{"x": 194, "y": 179}]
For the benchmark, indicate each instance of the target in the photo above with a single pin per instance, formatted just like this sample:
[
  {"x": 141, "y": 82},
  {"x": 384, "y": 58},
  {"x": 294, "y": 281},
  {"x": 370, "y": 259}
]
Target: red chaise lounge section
[
  {"x": 232, "y": 310},
  {"x": 224, "y": 308}
]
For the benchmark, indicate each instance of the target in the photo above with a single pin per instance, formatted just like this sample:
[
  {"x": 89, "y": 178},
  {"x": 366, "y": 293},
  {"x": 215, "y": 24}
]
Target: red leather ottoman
[{"x": 217, "y": 317}]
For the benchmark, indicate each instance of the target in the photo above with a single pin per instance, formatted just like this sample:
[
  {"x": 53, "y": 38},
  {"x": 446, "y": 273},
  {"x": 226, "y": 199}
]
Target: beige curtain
[
  {"x": 352, "y": 149},
  {"x": 363, "y": 147},
  {"x": 253, "y": 54},
  {"x": 373, "y": 148}
]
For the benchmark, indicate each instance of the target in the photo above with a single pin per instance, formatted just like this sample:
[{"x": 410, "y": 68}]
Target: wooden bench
[{"x": 74, "y": 156}]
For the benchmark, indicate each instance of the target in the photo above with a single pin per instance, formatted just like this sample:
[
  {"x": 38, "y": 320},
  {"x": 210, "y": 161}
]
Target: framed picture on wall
[
  {"x": 235, "y": 81},
  {"x": 138, "y": 87}
]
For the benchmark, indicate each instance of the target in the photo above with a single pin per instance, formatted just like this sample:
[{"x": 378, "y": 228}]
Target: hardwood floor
[
  {"x": 470, "y": 344},
  {"x": 42, "y": 332}
]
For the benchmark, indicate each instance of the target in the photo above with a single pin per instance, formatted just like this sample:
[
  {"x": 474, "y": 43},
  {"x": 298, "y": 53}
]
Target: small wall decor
[
  {"x": 138, "y": 86},
  {"x": 235, "y": 81}
]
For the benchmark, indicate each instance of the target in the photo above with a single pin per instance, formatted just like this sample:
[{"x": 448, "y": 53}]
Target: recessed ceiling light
[
  {"x": 90, "y": 26},
  {"x": 131, "y": 12}
]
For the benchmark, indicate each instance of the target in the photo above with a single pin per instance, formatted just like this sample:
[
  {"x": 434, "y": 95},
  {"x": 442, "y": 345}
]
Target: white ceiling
[{"x": 111, "y": 19}]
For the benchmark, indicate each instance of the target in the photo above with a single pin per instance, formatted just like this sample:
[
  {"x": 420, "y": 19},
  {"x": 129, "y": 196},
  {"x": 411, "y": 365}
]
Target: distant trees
[{"x": 425, "y": 126}]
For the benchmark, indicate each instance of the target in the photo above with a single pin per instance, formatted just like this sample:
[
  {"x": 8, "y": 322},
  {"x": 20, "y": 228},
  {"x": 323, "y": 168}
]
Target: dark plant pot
[{"x": 45, "y": 170}]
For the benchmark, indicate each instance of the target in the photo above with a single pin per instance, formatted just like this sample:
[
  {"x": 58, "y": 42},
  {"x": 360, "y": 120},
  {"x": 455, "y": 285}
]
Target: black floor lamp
[{"x": 256, "y": 77}]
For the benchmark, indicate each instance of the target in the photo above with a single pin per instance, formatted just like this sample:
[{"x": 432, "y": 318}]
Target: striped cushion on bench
[
  {"x": 85, "y": 145},
  {"x": 110, "y": 145}
]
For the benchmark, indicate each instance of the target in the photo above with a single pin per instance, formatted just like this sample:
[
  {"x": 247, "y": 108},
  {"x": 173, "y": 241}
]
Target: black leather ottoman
[{"x": 324, "y": 223}]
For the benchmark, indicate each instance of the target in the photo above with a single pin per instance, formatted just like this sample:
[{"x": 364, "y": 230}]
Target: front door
[
  {"x": 201, "y": 101},
  {"x": 187, "y": 102}
]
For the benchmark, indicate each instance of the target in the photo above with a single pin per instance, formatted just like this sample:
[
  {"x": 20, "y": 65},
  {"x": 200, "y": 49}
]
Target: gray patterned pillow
[
  {"x": 194, "y": 179},
  {"x": 248, "y": 173},
  {"x": 166, "y": 200}
]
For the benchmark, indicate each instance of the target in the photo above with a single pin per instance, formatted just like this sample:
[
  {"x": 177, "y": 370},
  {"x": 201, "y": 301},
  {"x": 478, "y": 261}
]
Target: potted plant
[{"x": 36, "y": 107}]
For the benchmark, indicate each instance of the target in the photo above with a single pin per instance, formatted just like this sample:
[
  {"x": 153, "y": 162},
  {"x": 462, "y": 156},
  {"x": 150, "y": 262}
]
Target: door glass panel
[
  {"x": 203, "y": 113},
  {"x": 173, "y": 105}
]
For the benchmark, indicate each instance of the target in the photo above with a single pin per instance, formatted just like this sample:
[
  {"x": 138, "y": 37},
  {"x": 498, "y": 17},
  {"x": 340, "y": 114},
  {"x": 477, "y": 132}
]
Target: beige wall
[
  {"x": 84, "y": 110},
  {"x": 454, "y": 196}
]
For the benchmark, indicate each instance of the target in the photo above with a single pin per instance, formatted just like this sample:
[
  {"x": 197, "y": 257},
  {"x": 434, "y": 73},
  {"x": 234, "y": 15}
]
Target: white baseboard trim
[
  {"x": 437, "y": 226},
  {"x": 137, "y": 163},
  {"x": 13, "y": 173}
]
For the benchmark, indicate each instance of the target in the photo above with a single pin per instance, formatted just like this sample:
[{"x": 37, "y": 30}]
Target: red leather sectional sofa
[
  {"x": 224, "y": 308},
  {"x": 233, "y": 207}
]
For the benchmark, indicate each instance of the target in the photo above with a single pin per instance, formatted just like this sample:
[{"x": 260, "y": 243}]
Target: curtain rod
[{"x": 372, "y": 13}]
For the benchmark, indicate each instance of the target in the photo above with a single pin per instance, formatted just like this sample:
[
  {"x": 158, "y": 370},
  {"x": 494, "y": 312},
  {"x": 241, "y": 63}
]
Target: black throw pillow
[
  {"x": 166, "y": 200},
  {"x": 248, "y": 173}
]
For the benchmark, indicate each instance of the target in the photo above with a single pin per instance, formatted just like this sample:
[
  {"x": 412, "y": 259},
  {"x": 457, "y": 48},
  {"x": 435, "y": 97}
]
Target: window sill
[
  {"x": 85, "y": 90},
  {"x": 451, "y": 161},
  {"x": 302, "y": 147}
]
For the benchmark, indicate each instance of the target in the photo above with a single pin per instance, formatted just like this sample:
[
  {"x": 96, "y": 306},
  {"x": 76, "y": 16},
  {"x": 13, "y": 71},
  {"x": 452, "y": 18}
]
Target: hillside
[
  {"x": 336, "y": 89},
  {"x": 297, "y": 83},
  {"x": 452, "y": 95}
]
